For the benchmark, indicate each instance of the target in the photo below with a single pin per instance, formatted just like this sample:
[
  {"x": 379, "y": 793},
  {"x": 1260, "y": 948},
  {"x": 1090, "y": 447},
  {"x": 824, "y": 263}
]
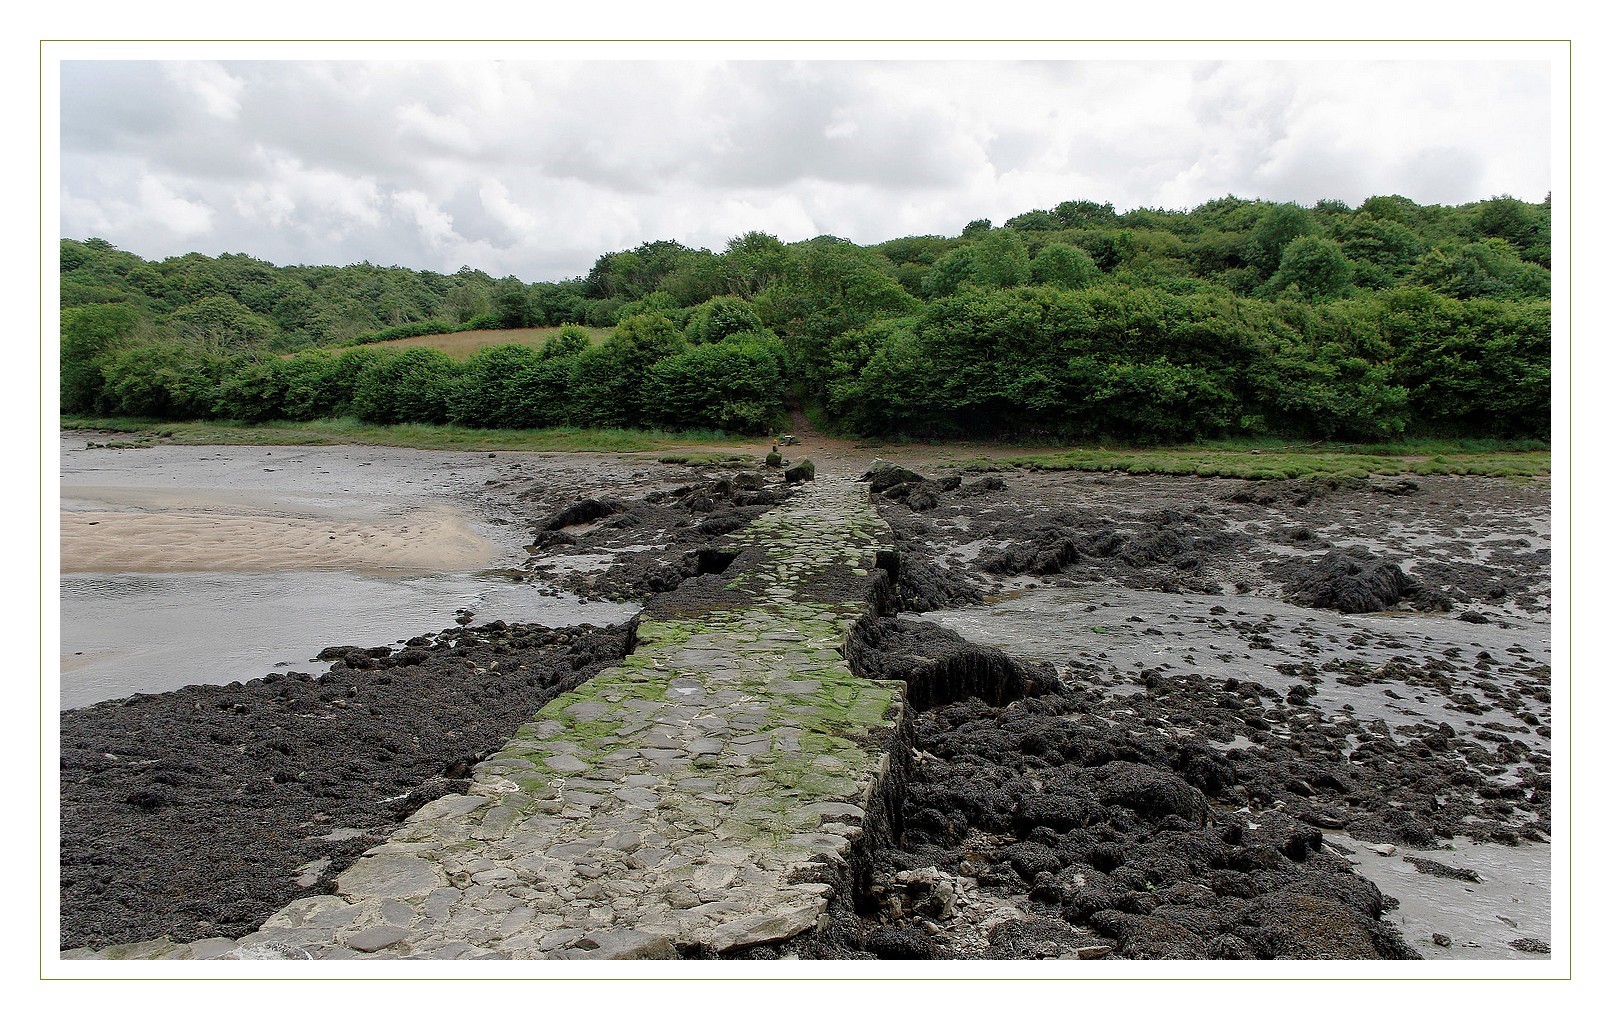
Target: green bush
[
  {"x": 720, "y": 318},
  {"x": 320, "y": 383},
  {"x": 162, "y": 379},
  {"x": 412, "y": 385},
  {"x": 736, "y": 386},
  {"x": 602, "y": 389},
  {"x": 488, "y": 392}
]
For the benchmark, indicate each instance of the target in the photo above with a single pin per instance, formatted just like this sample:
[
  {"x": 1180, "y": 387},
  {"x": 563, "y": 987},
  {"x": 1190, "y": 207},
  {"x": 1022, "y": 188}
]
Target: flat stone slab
[
  {"x": 688, "y": 797},
  {"x": 390, "y": 875}
]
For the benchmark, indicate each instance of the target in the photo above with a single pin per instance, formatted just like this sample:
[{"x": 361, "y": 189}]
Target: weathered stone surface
[
  {"x": 398, "y": 875},
  {"x": 379, "y": 937},
  {"x": 621, "y": 944}
]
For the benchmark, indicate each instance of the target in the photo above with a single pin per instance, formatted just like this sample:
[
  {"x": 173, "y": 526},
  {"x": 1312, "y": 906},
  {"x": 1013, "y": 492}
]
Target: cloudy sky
[{"x": 534, "y": 169}]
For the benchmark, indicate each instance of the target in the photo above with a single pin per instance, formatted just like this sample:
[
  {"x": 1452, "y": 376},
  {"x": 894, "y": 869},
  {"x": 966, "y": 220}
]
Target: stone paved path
[{"x": 691, "y": 796}]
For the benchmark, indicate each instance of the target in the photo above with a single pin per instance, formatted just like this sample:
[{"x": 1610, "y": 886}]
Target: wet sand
[
  {"x": 250, "y": 509},
  {"x": 212, "y": 565},
  {"x": 432, "y": 539}
]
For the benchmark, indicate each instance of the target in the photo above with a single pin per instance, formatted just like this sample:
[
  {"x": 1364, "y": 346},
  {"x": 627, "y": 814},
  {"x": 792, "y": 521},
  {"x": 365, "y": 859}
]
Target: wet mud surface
[
  {"x": 1178, "y": 718},
  {"x": 1239, "y": 723}
]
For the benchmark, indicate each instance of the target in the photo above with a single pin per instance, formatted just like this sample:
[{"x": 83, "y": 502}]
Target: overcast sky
[{"x": 534, "y": 169}]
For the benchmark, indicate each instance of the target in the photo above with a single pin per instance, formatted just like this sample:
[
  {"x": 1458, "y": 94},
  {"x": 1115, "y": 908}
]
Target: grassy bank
[
  {"x": 1241, "y": 458},
  {"x": 331, "y": 432},
  {"x": 1258, "y": 464}
]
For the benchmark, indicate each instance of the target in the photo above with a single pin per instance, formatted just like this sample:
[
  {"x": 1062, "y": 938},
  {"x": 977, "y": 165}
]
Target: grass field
[{"x": 462, "y": 345}]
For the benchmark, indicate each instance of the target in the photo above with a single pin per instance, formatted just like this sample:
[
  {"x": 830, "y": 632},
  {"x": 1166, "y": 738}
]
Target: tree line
[{"x": 1237, "y": 317}]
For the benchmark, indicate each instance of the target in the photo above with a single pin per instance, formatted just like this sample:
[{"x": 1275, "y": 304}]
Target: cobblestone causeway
[{"x": 690, "y": 797}]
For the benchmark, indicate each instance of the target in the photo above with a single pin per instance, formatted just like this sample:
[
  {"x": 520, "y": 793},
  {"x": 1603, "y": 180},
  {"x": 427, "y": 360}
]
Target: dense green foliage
[{"x": 1235, "y": 318}]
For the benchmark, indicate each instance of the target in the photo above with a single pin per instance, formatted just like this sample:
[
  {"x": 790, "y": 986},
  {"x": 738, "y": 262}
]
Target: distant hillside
[{"x": 1238, "y": 317}]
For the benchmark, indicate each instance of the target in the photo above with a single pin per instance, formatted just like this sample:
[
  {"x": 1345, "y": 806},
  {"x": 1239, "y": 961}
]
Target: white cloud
[
  {"x": 434, "y": 225},
  {"x": 324, "y": 204},
  {"x": 217, "y": 90},
  {"x": 151, "y": 208}
]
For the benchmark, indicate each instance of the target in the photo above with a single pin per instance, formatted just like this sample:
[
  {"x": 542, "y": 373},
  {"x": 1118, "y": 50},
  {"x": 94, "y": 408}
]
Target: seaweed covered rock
[
  {"x": 940, "y": 667},
  {"x": 1348, "y": 584},
  {"x": 883, "y": 475},
  {"x": 925, "y": 587},
  {"x": 583, "y": 512}
]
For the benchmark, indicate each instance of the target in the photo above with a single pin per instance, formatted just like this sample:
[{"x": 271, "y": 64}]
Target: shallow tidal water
[
  {"x": 124, "y": 634},
  {"x": 133, "y": 631}
]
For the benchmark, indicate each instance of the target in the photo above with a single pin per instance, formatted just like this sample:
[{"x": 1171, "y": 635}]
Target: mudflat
[{"x": 1268, "y": 719}]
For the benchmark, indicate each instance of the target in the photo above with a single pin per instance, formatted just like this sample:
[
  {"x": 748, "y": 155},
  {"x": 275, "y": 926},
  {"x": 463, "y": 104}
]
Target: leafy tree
[
  {"x": 1063, "y": 265},
  {"x": 166, "y": 379},
  {"x": 568, "y": 342},
  {"x": 1471, "y": 367},
  {"x": 1083, "y": 213},
  {"x": 252, "y": 390},
  {"x": 1488, "y": 268},
  {"x": 661, "y": 303},
  {"x": 601, "y": 394},
  {"x": 1507, "y": 219},
  {"x": 222, "y": 323},
  {"x": 736, "y": 385},
  {"x": 632, "y": 274},
  {"x": 751, "y": 262},
  {"x": 1000, "y": 259},
  {"x": 510, "y": 303},
  {"x": 555, "y": 304},
  {"x": 698, "y": 276},
  {"x": 1035, "y": 219},
  {"x": 720, "y": 318},
  {"x": 825, "y": 289},
  {"x": 1159, "y": 399},
  {"x": 409, "y": 385},
  {"x": 1393, "y": 207},
  {"x": 1383, "y": 250},
  {"x": 1276, "y": 229},
  {"x": 1314, "y": 267},
  {"x": 88, "y": 337},
  {"x": 885, "y": 381},
  {"x": 950, "y": 271},
  {"x": 488, "y": 395},
  {"x": 1109, "y": 248},
  {"x": 320, "y": 383}
]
